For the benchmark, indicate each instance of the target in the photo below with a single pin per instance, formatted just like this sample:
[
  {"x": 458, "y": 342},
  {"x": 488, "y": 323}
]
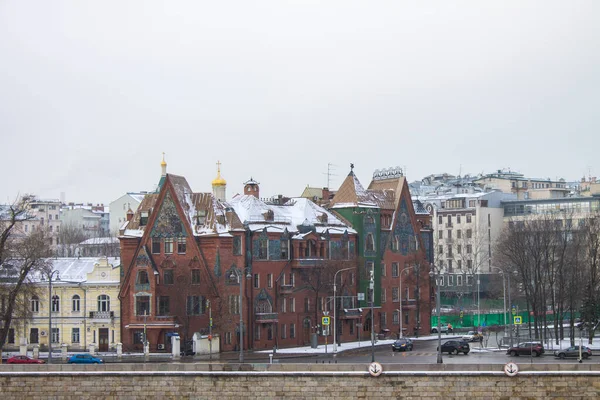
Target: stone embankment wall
[{"x": 165, "y": 382}]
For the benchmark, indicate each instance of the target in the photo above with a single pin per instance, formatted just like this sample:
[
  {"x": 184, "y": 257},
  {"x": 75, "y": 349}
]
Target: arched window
[
  {"x": 35, "y": 304},
  {"x": 142, "y": 278},
  {"x": 103, "y": 303},
  {"x": 55, "y": 303},
  {"x": 370, "y": 243},
  {"x": 75, "y": 301}
]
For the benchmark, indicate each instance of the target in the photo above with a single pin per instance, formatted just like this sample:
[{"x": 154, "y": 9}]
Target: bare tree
[
  {"x": 590, "y": 311},
  {"x": 70, "y": 237},
  {"x": 318, "y": 279},
  {"x": 20, "y": 255}
]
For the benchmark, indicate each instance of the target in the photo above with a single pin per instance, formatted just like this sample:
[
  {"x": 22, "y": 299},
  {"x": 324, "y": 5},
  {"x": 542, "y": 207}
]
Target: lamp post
[
  {"x": 209, "y": 330},
  {"x": 510, "y": 320},
  {"x": 335, "y": 310},
  {"x": 435, "y": 274},
  {"x": 372, "y": 298},
  {"x": 504, "y": 295},
  {"x": 400, "y": 297},
  {"x": 51, "y": 303},
  {"x": 238, "y": 275}
]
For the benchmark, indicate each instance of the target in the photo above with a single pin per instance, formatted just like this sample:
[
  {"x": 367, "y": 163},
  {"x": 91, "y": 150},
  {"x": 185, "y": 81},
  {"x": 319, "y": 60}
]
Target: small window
[
  {"x": 55, "y": 303},
  {"x": 168, "y": 245},
  {"x": 155, "y": 245},
  {"x": 168, "y": 276},
  {"x": 76, "y": 303},
  {"x": 35, "y": 304},
  {"x": 164, "y": 305},
  {"x": 256, "y": 281},
  {"x": 75, "y": 335},
  {"x": 195, "y": 276},
  {"x": 370, "y": 243},
  {"x": 103, "y": 303},
  {"x": 181, "y": 245},
  {"x": 269, "y": 280}
]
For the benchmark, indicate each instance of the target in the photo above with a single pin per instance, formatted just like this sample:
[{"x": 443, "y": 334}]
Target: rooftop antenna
[{"x": 329, "y": 173}]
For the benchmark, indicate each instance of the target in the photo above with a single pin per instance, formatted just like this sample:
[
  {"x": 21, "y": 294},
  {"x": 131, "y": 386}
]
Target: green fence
[{"x": 472, "y": 320}]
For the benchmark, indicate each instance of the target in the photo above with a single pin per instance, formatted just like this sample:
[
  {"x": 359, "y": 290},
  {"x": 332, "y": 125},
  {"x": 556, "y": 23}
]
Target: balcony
[
  {"x": 265, "y": 318},
  {"x": 352, "y": 313},
  {"x": 142, "y": 287},
  {"x": 287, "y": 289},
  {"x": 449, "y": 225},
  {"x": 449, "y": 240},
  {"x": 102, "y": 315}
]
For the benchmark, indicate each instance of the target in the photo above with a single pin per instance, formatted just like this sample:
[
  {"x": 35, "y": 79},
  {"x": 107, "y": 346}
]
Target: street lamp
[
  {"x": 435, "y": 274},
  {"x": 400, "y": 296},
  {"x": 504, "y": 295},
  {"x": 238, "y": 276},
  {"x": 335, "y": 309},
  {"x": 372, "y": 290},
  {"x": 50, "y": 303}
]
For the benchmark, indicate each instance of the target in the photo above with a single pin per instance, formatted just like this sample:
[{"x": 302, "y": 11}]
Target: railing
[
  {"x": 266, "y": 317},
  {"x": 287, "y": 289},
  {"x": 352, "y": 313},
  {"x": 102, "y": 314},
  {"x": 140, "y": 287}
]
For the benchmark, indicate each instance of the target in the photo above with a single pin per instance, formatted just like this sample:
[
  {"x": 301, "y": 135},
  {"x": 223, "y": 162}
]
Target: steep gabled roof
[
  {"x": 201, "y": 211},
  {"x": 392, "y": 187},
  {"x": 352, "y": 194}
]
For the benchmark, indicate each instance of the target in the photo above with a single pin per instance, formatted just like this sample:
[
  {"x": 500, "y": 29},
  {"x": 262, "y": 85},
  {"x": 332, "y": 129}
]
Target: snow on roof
[
  {"x": 100, "y": 241},
  {"x": 295, "y": 212},
  {"x": 73, "y": 269}
]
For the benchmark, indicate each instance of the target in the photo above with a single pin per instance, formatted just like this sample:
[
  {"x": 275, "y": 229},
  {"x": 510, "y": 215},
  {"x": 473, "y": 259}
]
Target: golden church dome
[{"x": 219, "y": 181}]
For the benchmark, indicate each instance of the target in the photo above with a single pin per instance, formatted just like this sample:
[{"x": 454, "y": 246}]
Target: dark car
[
  {"x": 84, "y": 359},
  {"x": 525, "y": 349},
  {"x": 23, "y": 360},
  {"x": 455, "y": 347},
  {"x": 402, "y": 345},
  {"x": 573, "y": 351}
]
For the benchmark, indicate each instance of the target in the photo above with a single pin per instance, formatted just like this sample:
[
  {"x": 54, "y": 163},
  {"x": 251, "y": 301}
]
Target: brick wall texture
[{"x": 299, "y": 386}]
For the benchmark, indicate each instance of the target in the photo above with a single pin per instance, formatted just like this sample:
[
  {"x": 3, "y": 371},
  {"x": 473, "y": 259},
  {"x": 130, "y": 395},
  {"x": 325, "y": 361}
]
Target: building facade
[
  {"x": 83, "y": 303},
  {"x": 393, "y": 243},
  {"x": 188, "y": 255}
]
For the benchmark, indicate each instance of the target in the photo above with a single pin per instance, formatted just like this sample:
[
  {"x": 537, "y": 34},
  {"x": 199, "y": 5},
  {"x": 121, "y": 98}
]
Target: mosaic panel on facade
[
  {"x": 404, "y": 229},
  {"x": 168, "y": 223}
]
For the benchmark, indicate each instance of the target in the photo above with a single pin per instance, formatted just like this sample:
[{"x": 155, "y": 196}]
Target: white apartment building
[
  {"x": 465, "y": 227},
  {"x": 46, "y": 215},
  {"x": 119, "y": 207}
]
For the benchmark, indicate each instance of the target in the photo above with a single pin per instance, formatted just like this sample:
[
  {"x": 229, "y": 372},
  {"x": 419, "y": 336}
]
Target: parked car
[
  {"x": 444, "y": 329},
  {"x": 23, "y": 360},
  {"x": 525, "y": 349},
  {"x": 403, "y": 344},
  {"x": 84, "y": 359},
  {"x": 455, "y": 347},
  {"x": 573, "y": 351},
  {"x": 472, "y": 336}
]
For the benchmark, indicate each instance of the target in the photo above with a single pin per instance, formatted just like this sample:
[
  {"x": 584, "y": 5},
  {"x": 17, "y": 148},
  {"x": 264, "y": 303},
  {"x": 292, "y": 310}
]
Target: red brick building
[{"x": 183, "y": 252}]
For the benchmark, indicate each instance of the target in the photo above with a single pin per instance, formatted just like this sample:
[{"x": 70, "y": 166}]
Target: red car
[{"x": 23, "y": 360}]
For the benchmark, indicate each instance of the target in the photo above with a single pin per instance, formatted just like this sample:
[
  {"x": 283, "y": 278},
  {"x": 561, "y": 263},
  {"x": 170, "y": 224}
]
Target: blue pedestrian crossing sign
[
  {"x": 518, "y": 320},
  {"x": 325, "y": 321}
]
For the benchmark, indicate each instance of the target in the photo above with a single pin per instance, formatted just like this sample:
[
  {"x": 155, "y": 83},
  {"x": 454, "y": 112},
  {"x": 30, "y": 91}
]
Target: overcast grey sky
[{"x": 92, "y": 92}]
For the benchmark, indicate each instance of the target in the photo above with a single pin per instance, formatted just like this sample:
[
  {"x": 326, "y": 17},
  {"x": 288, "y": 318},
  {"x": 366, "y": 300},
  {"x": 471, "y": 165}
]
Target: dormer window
[
  {"x": 143, "y": 218},
  {"x": 269, "y": 216},
  {"x": 200, "y": 217}
]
